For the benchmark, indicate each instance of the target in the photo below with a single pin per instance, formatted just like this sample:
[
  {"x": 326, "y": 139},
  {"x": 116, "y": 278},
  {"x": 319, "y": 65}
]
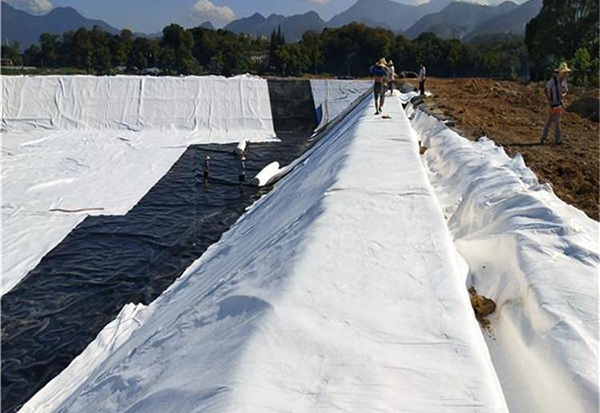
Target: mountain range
[
  {"x": 512, "y": 22},
  {"x": 26, "y": 29},
  {"x": 292, "y": 27},
  {"x": 385, "y": 13},
  {"x": 458, "y": 19},
  {"x": 446, "y": 18}
]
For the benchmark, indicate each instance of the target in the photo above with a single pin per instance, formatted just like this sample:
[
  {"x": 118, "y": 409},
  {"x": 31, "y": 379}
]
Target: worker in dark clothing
[{"x": 380, "y": 71}]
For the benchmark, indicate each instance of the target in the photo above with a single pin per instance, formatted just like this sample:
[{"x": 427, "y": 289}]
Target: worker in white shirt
[{"x": 422, "y": 78}]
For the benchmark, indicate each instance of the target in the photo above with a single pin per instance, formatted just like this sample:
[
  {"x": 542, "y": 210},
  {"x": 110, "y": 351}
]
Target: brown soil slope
[{"x": 513, "y": 115}]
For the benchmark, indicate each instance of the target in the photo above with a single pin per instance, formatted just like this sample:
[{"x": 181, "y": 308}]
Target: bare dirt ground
[{"x": 513, "y": 115}]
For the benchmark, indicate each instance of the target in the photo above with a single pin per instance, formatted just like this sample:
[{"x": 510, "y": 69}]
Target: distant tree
[
  {"x": 314, "y": 50},
  {"x": 31, "y": 56},
  {"x": 454, "y": 55},
  {"x": 101, "y": 53},
  {"x": 491, "y": 61},
  {"x": 118, "y": 51},
  {"x": 582, "y": 63},
  {"x": 559, "y": 30},
  {"x": 121, "y": 47},
  {"x": 430, "y": 49},
  {"x": 280, "y": 36},
  {"x": 403, "y": 54},
  {"x": 49, "y": 50},
  {"x": 168, "y": 60},
  {"x": 178, "y": 44},
  {"x": 176, "y": 37},
  {"x": 352, "y": 49},
  {"x": 83, "y": 50},
  {"x": 277, "y": 41},
  {"x": 12, "y": 52},
  {"x": 378, "y": 43},
  {"x": 293, "y": 59},
  {"x": 582, "y": 59},
  {"x": 126, "y": 36}
]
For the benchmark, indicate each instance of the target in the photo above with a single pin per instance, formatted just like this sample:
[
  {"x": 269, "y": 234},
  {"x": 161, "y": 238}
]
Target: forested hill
[{"x": 458, "y": 19}]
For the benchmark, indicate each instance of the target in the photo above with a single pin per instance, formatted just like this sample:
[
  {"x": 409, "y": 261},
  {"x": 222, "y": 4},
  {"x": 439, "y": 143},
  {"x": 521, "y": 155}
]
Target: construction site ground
[{"x": 513, "y": 115}]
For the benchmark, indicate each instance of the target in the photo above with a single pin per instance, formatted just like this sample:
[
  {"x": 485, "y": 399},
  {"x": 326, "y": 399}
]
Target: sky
[{"x": 150, "y": 16}]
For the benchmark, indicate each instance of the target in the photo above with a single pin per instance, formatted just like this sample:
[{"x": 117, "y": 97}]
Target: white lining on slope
[
  {"x": 536, "y": 256},
  {"x": 334, "y": 96},
  {"x": 210, "y": 108},
  {"x": 337, "y": 291}
]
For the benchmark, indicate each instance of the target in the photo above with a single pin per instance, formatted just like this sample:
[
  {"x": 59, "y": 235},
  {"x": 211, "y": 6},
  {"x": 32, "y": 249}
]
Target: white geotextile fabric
[
  {"x": 335, "y": 96},
  {"x": 213, "y": 108},
  {"x": 535, "y": 256},
  {"x": 99, "y": 173},
  {"x": 337, "y": 291}
]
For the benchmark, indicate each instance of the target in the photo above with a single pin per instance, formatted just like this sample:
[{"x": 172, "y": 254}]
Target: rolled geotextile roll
[
  {"x": 240, "y": 149},
  {"x": 267, "y": 175}
]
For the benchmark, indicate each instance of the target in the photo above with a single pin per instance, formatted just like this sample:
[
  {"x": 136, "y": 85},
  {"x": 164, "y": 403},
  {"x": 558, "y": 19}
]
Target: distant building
[
  {"x": 6, "y": 62},
  {"x": 254, "y": 36},
  {"x": 257, "y": 58},
  {"x": 151, "y": 71}
]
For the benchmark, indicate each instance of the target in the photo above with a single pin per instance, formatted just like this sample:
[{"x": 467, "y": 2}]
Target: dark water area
[{"x": 52, "y": 315}]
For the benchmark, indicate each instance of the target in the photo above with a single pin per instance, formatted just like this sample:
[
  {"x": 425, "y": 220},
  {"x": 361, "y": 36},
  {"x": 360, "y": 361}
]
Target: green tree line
[
  {"x": 177, "y": 51},
  {"x": 346, "y": 51}
]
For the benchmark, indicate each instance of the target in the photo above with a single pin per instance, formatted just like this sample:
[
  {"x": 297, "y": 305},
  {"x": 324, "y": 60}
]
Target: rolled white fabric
[
  {"x": 267, "y": 174},
  {"x": 241, "y": 147}
]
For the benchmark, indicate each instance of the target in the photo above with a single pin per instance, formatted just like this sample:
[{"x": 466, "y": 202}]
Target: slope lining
[{"x": 109, "y": 261}]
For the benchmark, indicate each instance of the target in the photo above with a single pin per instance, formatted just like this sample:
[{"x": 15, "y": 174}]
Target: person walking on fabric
[
  {"x": 556, "y": 88},
  {"x": 380, "y": 71},
  {"x": 422, "y": 78},
  {"x": 391, "y": 78}
]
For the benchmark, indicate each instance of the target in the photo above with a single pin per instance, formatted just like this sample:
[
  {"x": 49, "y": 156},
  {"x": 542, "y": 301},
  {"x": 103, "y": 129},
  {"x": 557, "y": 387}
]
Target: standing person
[
  {"x": 380, "y": 71},
  {"x": 242, "y": 169},
  {"x": 556, "y": 88},
  {"x": 422, "y": 78},
  {"x": 391, "y": 79}
]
